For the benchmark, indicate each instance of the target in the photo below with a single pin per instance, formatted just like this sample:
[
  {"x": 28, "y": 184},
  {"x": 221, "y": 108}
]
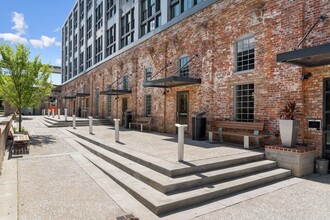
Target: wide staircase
[
  {"x": 165, "y": 187},
  {"x": 53, "y": 122}
]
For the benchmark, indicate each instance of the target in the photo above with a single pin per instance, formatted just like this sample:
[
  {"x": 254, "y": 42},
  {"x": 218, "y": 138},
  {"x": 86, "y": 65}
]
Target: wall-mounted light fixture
[{"x": 306, "y": 76}]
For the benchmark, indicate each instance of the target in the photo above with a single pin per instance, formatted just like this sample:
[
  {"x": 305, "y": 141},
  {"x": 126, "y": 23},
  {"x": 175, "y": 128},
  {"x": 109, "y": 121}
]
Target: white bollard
[
  {"x": 43, "y": 112},
  {"x": 59, "y": 113},
  {"x": 53, "y": 113},
  {"x": 74, "y": 121},
  {"x": 66, "y": 114},
  {"x": 180, "y": 141},
  {"x": 90, "y": 124},
  {"x": 117, "y": 129},
  {"x": 48, "y": 113}
]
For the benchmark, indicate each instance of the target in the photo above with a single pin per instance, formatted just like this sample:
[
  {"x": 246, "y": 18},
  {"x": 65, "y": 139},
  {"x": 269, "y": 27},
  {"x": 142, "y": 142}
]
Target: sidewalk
[{"x": 56, "y": 182}]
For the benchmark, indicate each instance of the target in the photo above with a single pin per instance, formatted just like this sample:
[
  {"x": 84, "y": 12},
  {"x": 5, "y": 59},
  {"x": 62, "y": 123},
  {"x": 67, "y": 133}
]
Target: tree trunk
[{"x": 19, "y": 120}]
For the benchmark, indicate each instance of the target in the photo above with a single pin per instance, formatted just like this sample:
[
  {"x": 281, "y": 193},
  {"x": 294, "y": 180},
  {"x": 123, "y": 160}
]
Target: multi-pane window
[
  {"x": 98, "y": 16},
  {"x": 127, "y": 28},
  {"x": 66, "y": 52},
  {"x": 125, "y": 83},
  {"x": 111, "y": 40},
  {"x": 89, "y": 4},
  {"x": 147, "y": 105},
  {"x": 70, "y": 48},
  {"x": 150, "y": 16},
  {"x": 81, "y": 7},
  {"x": 81, "y": 62},
  {"x": 75, "y": 18},
  {"x": 70, "y": 70},
  {"x": 179, "y": 6},
  {"x": 75, "y": 67},
  {"x": 81, "y": 34},
  {"x": 98, "y": 49},
  {"x": 184, "y": 66},
  {"x": 244, "y": 102},
  {"x": 70, "y": 26},
  {"x": 245, "y": 54},
  {"x": 148, "y": 74},
  {"x": 66, "y": 33},
  {"x": 111, "y": 8},
  {"x": 89, "y": 57},
  {"x": 75, "y": 43},
  {"x": 89, "y": 28}
]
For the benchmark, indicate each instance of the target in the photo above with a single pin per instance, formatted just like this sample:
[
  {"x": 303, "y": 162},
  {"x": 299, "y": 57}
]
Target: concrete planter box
[{"x": 299, "y": 160}]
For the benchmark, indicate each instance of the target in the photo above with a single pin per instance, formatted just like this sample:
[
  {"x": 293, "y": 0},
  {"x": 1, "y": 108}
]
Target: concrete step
[
  {"x": 52, "y": 122},
  {"x": 167, "y": 184},
  {"x": 178, "y": 169},
  {"x": 160, "y": 203}
]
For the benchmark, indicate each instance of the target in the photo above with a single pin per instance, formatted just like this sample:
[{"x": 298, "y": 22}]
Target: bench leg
[
  {"x": 246, "y": 142},
  {"x": 210, "y": 137},
  {"x": 141, "y": 127},
  {"x": 129, "y": 125},
  {"x": 257, "y": 142}
]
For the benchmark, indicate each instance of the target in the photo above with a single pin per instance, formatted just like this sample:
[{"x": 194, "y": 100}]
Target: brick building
[{"x": 171, "y": 59}]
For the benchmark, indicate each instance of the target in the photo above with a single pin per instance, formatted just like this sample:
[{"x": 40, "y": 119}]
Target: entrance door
[
  {"x": 326, "y": 119},
  {"x": 182, "y": 108}
]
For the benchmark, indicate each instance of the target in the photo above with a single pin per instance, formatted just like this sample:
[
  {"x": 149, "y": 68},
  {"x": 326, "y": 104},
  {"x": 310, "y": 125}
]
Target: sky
[{"x": 37, "y": 24}]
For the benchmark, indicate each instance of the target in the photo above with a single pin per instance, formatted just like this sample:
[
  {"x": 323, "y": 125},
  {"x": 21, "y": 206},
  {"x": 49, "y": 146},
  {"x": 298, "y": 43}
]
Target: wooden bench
[
  {"x": 142, "y": 121},
  {"x": 20, "y": 142},
  {"x": 236, "y": 128}
]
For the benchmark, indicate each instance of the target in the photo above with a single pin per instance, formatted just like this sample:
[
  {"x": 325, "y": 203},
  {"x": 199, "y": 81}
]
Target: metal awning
[
  {"x": 82, "y": 94},
  {"x": 172, "y": 81},
  {"x": 307, "y": 57},
  {"x": 116, "y": 92}
]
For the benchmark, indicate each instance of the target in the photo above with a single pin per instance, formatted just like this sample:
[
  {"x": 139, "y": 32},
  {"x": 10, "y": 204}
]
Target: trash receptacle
[
  {"x": 199, "y": 127},
  {"x": 127, "y": 118},
  {"x": 322, "y": 166}
]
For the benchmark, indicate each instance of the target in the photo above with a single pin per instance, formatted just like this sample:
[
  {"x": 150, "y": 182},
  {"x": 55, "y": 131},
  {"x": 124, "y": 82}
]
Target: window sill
[{"x": 244, "y": 71}]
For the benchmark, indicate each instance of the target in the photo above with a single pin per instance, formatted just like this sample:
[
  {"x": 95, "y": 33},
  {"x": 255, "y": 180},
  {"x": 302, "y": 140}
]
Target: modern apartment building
[
  {"x": 97, "y": 30},
  {"x": 236, "y": 60}
]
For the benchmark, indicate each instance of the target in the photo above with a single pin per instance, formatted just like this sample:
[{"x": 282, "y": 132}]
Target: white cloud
[
  {"x": 56, "y": 30},
  {"x": 58, "y": 62},
  {"x": 14, "y": 38},
  {"x": 20, "y": 25},
  {"x": 58, "y": 44},
  {"x": 44, "y": 42}
]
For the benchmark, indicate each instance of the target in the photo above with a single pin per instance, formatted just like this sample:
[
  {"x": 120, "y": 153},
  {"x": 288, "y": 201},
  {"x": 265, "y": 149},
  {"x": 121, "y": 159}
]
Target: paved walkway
[{"x": 56, "y": 182}]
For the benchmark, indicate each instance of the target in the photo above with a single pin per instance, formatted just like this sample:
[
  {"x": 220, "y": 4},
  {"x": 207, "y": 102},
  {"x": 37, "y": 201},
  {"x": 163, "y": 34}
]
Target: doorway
[
  {"x": 182, "y": 109},
  {"x": 326, "y": 119}
]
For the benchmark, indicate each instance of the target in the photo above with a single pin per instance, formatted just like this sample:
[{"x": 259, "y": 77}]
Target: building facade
[{"x": 237, "y": 60}]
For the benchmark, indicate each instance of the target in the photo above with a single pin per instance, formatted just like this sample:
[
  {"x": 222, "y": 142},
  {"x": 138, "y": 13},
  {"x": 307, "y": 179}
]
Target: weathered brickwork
[{"x": 211, "y": 33}]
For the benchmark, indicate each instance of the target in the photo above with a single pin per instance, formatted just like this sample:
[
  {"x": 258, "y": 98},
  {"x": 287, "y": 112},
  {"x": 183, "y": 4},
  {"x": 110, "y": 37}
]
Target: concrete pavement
[{"x": 56, "y": 182}]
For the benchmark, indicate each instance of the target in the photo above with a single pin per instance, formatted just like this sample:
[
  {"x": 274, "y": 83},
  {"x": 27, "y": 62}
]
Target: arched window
[
  {"x": 245, "y": 53},
  {"x": 184, "y": 66}
]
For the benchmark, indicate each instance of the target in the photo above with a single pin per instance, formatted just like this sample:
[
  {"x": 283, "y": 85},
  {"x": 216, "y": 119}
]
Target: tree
[{"x": 23, "y": 83}]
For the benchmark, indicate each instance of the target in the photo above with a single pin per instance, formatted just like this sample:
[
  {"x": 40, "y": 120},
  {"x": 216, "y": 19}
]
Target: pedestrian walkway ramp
[{"x": 165, "y": 187}]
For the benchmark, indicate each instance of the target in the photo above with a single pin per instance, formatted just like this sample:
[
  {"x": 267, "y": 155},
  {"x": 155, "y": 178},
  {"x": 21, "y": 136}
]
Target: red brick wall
[{"x": 277, "y": 25}]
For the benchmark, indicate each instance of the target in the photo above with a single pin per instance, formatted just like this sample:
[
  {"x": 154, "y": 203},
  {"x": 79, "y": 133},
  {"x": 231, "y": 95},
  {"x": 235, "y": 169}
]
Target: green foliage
[
  {"x": 290, "y": 111},
  {"x": 23, "y": 83}
]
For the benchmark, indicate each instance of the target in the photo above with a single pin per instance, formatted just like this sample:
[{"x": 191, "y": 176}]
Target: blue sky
[{"x": 37, "y": 24}]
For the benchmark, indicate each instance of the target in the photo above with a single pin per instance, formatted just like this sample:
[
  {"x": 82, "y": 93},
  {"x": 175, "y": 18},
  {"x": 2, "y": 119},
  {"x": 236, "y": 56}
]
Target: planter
[
  {"x": 322, "y": 166},
  {"x": 299, "y": 160},
  {"x": 289, "y": 132}
]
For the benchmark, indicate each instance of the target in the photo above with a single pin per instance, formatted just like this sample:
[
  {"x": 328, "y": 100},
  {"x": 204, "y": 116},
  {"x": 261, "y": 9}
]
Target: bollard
[
  {"x": 59, "y": 113},
  {"x": 74, "y": 121},
  {"x": 43, "y": 112},
  {"x": 116, "y": 129},
  {"x": 90, "y": 124},
  {"x": 48, "y": 113},
  {"x": 66, "y": 114},
  {"x": 181, "y": 141},
  {"x": 53, "y": 113}
]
